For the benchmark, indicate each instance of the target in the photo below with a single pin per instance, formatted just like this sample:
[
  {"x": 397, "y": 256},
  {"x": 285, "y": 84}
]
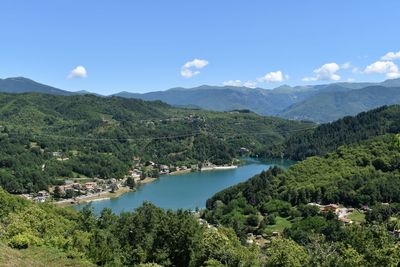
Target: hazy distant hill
[
  {"x": 23, "y": 85},
  {"x": 319, "y": 103},
  {"x": 290, "y": 102},
  {"x": 331, "y": 105},
  {"x": 262, "y": 101}
]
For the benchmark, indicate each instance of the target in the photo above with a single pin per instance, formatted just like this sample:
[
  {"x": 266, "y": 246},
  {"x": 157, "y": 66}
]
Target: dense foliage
[
  {"x": 45, "y": 138},
  {"x": 147, "y": 235},
  {"x": 328, "y": 137},
  {"x": 354, "y": 176}
]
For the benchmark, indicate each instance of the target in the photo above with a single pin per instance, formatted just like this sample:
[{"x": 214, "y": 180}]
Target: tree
[
  {"x": 397, "y": 140},
  {"x": 114, "y": 187},
  {"x": 286, "y": 252},
  {"x": 130, "y": 182},
  {"x": 57, "y": 194},
  {"x": 155, "y": 173}
]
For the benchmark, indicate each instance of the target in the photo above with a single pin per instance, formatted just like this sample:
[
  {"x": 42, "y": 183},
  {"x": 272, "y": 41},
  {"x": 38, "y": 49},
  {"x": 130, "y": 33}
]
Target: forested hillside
[
  {"x": 226, "y": 98},
  {"x": 319, "y": 103},
  {"x": 147, "y": 235},
  {"x": 328, "y": 137},
  {"x": 45, "y": 138},
  {"x": 328, "y": 106},
  {"x": 356, "y": 175},
  {"x": 367, "y": 174}
]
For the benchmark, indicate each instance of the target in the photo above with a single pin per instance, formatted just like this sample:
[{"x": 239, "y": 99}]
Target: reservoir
[{"x": 188, "y": 190}]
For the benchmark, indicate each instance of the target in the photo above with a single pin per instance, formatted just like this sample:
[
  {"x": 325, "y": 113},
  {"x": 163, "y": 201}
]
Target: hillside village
[{"x": 74, "y": 190}]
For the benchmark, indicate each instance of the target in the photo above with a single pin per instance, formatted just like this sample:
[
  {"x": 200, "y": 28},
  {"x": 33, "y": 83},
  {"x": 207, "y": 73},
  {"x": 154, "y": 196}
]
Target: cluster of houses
[
  {"x": 59, "y": 156},
  {"x": 141, "y": 170},
  {"x": 73, "y": 188},
  {"x": 39, "y": 197},
  {"x": 336, "y": 209},
  {"x": 261, "y": 240}
]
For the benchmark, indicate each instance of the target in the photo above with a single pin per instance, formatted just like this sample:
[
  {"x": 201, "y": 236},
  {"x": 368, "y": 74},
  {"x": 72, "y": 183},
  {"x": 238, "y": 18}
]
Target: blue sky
[{"x": 148, "y": 45}]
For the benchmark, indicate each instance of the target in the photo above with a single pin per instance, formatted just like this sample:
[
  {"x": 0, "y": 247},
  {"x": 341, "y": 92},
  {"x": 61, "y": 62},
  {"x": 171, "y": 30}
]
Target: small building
[
  {"x": 39, "y": 199},
  {"x": 365, "y": 208},
  {"x": 275, "y": 233},
  {"x": 345, "y": 220},
  {"x": 164, "y": 169},
  {"x": 331, "y": 207},
  {"x": 43, "y": 193},
  {"x": 396, "y": 233},
  {"x": 244, "y": 150},
  {"x": 90, "y": 185},
  {"x": 56, "y": 154},
  {"x": 76, "y": 186}
]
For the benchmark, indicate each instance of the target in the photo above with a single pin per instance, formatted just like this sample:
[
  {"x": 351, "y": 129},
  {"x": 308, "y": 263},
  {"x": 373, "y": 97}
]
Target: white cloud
[
  {"x": 381, "y": 67},
  {"x": 233, "y": 83},
  {"x": 239, "y": 83},
  {"x": 346, "y": 65},
  {"x": 273, "y": 76},
  {"x": 191, "y": 68},
  {"x": 250, "y": 84},
  {"x": 384, "y": 67},
  {"x": 391, "y": 56},
  {"x": 327, "y": 72},
  {"x": 78, "y": 72},
  {"x": 393, "y": 75}
]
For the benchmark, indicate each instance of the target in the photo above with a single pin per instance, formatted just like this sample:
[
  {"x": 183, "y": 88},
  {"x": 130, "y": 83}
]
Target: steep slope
[
  {"x": 38, "y": 256},
  {"x": 348, "y": 130},
  {"x": 350, "y": 175},
  {"x": 278, "y": 101},
  {"x": 319, "y": 103},
  {"x": 261, "y": 101},
  {"x": 22, "y": 85},
  {"x": 45, "y": 235},
  {"x": 100, "y": 136},
  {"x": 329, "y": 106}
]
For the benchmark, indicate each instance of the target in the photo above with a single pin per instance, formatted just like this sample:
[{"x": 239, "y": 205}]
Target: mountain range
[{"x": 318, "y": 103}]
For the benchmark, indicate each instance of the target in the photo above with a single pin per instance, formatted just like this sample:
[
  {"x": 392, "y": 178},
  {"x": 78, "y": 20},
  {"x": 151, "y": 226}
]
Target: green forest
[
  {"x": 265, "y": 221},
  {"x": 147, "y": 235},
  {"x": 47, "y": 138},
  {"x": 355, "y": 175},
  {"x": 329, "y": 136},
  {"x": 358, "y": 175}
]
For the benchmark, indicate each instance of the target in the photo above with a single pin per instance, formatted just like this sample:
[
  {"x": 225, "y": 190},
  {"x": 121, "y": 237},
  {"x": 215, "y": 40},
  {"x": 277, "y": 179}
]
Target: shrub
[{"x": 23, "y": 241}]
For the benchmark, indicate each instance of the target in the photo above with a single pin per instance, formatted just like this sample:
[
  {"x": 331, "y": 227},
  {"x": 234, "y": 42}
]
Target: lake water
[{"x": 185, "y": 191}]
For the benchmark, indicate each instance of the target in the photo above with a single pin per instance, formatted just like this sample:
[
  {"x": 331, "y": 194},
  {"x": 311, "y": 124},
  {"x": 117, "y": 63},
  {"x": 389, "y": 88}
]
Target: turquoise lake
[{"x": 185, "y": 191}]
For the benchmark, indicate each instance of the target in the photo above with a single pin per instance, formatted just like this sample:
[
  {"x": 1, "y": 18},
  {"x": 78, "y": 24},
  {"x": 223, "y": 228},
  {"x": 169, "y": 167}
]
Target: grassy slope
[
  {"x": 36, "y": 256},
  {"x": 280, "y": 224}
]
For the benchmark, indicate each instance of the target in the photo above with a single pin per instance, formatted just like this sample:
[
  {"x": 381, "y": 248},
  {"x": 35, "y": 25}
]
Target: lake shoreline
[
  {"x": 217, "y": 168},
  {"x": 93, "y": 198},
  {"x": 123, "y": 190}
]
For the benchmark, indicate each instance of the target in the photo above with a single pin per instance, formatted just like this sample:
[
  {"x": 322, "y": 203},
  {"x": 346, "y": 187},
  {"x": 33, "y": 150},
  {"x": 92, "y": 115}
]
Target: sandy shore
[
  {"x": 94, "y": 197},
  {"x": 180, "y": 172},
  {"x": 147, "y": 180},
  {"x": 216, "y": 168}
]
